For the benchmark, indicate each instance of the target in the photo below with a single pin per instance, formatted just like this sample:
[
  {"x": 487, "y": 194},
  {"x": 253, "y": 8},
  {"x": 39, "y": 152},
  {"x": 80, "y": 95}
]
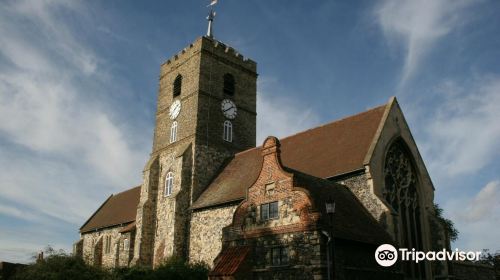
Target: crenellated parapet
[{"x": 210, "y": 46}]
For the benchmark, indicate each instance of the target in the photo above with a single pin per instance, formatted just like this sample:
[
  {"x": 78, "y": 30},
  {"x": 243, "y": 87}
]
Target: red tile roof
[
  {"x": 118, "y": 209},
  {"x": 229, "y": 260},
  {"x": 325, "y": 151}
]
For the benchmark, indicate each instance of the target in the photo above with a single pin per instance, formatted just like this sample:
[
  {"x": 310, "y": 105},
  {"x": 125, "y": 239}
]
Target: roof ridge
[
  {"x": 122, "y": 192},
  {"x": 316, "y": 127},
  {"x": 335, "y": 121}
]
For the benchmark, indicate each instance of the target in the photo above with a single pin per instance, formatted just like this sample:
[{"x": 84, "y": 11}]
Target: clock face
[
  {"x": 175, "y": 108},
  {"x": 229, "y": 109}
]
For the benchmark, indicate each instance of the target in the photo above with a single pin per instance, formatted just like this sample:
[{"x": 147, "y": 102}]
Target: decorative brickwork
[{"x": 225, "y": 194}]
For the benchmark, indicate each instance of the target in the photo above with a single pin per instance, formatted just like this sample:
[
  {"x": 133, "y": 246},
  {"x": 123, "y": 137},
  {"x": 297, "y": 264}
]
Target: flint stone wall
[{"x": 206, "y": 232}]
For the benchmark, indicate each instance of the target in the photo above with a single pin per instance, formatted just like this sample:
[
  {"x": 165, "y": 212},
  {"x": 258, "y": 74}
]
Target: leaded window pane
[
  {"x": 284, "y": 255},
  {"x": 273, "y": 210},
  {"x": 264, "y": 212},
  {"x": 276, "y": 256}
]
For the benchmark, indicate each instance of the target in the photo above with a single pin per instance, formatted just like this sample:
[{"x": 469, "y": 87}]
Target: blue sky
[{"x": 78, "y": 85}]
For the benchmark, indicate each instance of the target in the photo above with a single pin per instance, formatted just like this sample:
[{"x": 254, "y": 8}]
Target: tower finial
[{"x": 210, "y": 18}]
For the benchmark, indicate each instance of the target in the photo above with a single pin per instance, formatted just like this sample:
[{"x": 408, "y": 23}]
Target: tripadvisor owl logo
[{"x": 386, "y": 255}]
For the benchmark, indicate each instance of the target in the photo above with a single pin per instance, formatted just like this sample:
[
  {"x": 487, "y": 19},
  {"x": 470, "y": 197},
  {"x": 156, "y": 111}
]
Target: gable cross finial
[{"x": 210, "y": 18}]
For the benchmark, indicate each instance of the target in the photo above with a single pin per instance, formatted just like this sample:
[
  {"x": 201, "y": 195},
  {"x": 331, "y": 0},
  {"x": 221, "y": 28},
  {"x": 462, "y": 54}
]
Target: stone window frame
[
  {"x": 126, "y": 244},
  {"x": 173, "y": 131},
  {"x": 107, "y": 244},
  {"x": 228, "y": 131},
  {"x": 169, "y": 183},
  {"x": 177, "y": 86},
  {"x": 229, "y": 84},
  {"x": 282, "y": 253},
  {"x": 266, "y": 208},
  {"x": 402, "y": 193}
]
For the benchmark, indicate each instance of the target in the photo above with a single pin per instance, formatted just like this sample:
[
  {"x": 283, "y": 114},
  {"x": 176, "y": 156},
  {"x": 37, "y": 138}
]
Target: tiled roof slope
[
  {"x": 325, "y": 151},
  {"x": 230, "y": 259},
  {"x": 118, "y": 209}
]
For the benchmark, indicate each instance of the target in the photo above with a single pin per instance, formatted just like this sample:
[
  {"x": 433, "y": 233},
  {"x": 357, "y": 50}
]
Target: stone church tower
[
  {"x": 210, "y": 195},
  {"x": 206, "y": 113}
]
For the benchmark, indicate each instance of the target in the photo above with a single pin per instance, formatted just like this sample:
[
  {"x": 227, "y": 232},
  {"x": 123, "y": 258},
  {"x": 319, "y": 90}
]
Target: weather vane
[{"x": 211, "y": 17}]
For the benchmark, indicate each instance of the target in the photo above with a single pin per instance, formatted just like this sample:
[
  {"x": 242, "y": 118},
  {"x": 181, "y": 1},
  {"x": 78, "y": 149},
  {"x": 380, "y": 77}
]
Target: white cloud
[
  {"x": 462, "y": 134},
  {"x": 21, "y": 245},
  {"x": 418, "y": 25},
  {"x": 278, "y": 115},
  {"x": 16, "y": 212},
  {"x": 63, "y": 150},
  {"x": 484, "y": 204},
  {"x": 477, "y": 218}
]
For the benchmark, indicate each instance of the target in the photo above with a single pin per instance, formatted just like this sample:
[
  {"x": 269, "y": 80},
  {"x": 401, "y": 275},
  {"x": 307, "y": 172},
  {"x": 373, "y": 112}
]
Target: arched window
[
  {"x": 228, "y": 131},
  {"x": 228, "y": 84},
  {"x": 169, "y": 183},
  {"x": 173, "y": 132},
  {"x": 177, "y": 85},
  {"x": 401, "y": 193}
]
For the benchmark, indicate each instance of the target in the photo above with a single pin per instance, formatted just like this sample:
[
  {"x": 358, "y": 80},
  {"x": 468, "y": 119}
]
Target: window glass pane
[
  {"x": 284, "y": 255},
  {"x": 264, "y": 211},
  {"x": 125, "y": 244},
  {"x": 228, "y": 131},
  {"x": 275, "y": 256},
  {"x": 169, "y": 183},
  {"x": 273, "y": 210}
]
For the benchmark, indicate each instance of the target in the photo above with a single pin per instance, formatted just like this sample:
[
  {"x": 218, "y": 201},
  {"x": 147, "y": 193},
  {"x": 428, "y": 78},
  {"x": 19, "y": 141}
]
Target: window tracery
[{"x": 401, "y": 194}]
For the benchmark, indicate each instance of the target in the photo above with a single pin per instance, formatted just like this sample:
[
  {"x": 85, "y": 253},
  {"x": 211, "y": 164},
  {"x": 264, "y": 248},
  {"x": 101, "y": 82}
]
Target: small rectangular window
[
  {"x": 107, "y": 244},
  {"x": 264, "y": 212},
  {"x": 228, "y": 131},
  {"x": 279, "y": 256},
  {"x": 173, "y": 132},
  {"x": 269, "y": 211},
  {"x": 276, "y": 257},
  {"x": 126, "y": 244},
  {"x": 284, "y": 255},
  {"x": 273, "y": 210}
]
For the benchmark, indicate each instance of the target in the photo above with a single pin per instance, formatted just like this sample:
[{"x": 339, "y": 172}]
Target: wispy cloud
[
  {"x": 477, "y": 217},
  {"x": 462, "y": 133},
  {"x": 280, "y": 116},
  {"x": 418, "y": 26},
  {"x": 60, "y": 143}
]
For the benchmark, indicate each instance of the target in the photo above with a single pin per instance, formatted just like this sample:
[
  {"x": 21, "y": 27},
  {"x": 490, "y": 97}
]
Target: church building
[{"x": 313, "y": 205}]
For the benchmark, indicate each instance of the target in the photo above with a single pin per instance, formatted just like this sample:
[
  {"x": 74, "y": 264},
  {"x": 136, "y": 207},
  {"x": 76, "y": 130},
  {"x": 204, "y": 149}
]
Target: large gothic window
[{"x": 401, "y": 193}]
